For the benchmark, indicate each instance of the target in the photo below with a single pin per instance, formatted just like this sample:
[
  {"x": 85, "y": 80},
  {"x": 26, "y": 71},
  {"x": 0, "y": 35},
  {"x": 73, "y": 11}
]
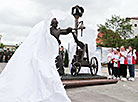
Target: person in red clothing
[{"x": 131, "y": 57}]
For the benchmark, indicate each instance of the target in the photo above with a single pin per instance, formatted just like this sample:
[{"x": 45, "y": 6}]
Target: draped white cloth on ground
[
  {"x": 89, "y": 37},
  {"x": 31, "y": 75}
]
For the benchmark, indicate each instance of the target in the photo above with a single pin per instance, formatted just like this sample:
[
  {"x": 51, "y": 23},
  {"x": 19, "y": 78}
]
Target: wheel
[
  {"x": 94, "y": 66},
  {"x": 76, "y": 66}
]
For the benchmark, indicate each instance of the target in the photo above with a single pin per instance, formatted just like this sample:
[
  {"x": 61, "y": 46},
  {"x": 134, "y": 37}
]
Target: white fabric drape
[{"x": 31, "y": 75}]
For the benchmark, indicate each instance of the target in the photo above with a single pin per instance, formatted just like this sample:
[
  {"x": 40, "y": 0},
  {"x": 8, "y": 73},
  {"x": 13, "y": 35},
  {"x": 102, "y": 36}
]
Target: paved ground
[{"x": 120, "y": 92}]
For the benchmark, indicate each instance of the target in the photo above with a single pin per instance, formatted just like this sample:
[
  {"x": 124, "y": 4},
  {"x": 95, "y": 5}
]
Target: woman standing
[
  {"x": 110, "y": 63},
  {"x": 123, "y": 63},
  {"x": 116, "y": 65},
  {"x": 131, "y": 57}
]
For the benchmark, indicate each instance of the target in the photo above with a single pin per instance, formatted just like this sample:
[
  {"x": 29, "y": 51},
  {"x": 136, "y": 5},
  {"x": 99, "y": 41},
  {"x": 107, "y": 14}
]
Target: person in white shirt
[
  {"x": 123, "y": 63},
  {"x": 131, "y": 57},
  {"x": 116, "y": 65},
  {"x": 110, "y": 63}
]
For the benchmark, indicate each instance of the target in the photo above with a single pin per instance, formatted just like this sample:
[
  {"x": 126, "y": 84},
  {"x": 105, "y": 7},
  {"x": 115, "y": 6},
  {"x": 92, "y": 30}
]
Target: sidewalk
[{"x": 120, "y": 92}]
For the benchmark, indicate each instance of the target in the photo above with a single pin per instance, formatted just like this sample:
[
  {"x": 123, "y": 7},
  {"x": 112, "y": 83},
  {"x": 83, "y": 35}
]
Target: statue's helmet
[
  {"x": 54, "y": 21},
  {"x": 77, "y": 11}
]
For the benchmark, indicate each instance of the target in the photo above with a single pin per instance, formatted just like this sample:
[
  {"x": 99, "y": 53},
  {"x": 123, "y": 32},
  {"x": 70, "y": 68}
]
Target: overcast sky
[{"x": 17, "y": 17}]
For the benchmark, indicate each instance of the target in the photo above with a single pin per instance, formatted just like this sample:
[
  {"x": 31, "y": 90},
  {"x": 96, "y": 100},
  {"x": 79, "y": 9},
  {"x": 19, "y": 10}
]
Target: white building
[{"x": 134, "y": 21}]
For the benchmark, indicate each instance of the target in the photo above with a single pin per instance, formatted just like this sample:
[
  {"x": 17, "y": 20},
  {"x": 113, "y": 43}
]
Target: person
[
  {"x": 11, "y": 53},
  {"x": 118, "y": 51},
  {"x": 7, "y": 55},
  {"x": 61, "y": 51},
  {"x": 1, "y": 55},
  {"x": 110, "y": 63},
  {"x": 31, "y": 74},
  {"x": 131, "y": 56},
  {"x": 123, "y": 63},
  {"x": 116, "y": 65}
]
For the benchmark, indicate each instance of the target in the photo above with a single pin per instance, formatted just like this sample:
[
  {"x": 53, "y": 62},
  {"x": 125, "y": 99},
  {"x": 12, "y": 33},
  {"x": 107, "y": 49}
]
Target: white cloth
[
  {"x": 110, "y": 57},
  {"x": 116, "y": 60},
  {"x": 31, "y": 75},
  {"x": 130, "y": 57},
  {"x": 122, "y": 59}
]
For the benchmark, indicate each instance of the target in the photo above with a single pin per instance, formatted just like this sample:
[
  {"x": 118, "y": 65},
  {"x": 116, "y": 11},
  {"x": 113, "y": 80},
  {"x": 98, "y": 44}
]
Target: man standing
[
  {"x": 1, "y": 55},
  {"x": 7, "y": 55}
]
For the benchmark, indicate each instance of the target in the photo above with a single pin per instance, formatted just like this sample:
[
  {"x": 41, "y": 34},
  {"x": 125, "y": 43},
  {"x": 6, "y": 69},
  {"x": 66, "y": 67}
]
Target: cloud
[{"x": 17, "y": 17}]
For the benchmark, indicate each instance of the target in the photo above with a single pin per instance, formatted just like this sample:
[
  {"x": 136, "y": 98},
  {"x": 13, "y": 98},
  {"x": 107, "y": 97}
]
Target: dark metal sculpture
[
  {"x": 56, "y": 32},
  {"x": 79, "y": 60}
]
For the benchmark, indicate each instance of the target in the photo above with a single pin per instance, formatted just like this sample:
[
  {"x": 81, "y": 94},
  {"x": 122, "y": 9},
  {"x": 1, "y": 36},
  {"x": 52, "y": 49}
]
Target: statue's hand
[{"x": 69, "y": 29}]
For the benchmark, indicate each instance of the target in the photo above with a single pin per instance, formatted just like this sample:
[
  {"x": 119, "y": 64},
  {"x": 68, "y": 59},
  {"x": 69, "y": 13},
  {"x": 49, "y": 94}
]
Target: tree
[
  {"x": 109, "y": 38},
  {"x": 132, "y": 42},
  {"x": 115, "y": 31}
]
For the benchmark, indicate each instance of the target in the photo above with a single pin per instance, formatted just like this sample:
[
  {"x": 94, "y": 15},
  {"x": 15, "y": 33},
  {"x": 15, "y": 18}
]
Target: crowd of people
[
  {"x": 119, "y": 61},
  {"x": 5, "y": 55}
]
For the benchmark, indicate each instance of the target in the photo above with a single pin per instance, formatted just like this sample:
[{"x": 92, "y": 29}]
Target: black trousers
[
  {"x": 123, "y": 70},
  {"x": 110, "y": 68},
  {"x": 116, "y": 72}
]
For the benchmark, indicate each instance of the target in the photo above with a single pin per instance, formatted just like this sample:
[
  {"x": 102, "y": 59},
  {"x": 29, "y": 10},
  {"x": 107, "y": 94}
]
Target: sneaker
[
  {"x": 118, "y": 78},
  {"x": 110, "y": 77},
  {"x": 132, "y": 79},
  {"x": 114, "y": 78},
  {"x": 123, "y": 79},
  {"x": 129, "y": 79}
]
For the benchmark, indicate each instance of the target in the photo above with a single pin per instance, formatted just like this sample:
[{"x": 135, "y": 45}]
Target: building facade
[{"x": 134, "y": 22}]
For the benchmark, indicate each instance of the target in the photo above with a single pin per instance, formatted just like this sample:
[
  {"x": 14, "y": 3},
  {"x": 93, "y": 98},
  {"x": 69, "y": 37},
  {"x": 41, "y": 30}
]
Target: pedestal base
[{"x": 85, "y": 80}]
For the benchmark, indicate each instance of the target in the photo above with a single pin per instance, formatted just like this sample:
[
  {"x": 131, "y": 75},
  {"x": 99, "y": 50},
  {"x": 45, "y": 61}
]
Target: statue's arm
[{"x": 65, "y": 31}]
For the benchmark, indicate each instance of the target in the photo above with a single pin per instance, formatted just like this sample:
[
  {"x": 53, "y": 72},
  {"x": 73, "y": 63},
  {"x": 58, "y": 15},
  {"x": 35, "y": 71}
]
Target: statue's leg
[{"x": 59, "y": 64}]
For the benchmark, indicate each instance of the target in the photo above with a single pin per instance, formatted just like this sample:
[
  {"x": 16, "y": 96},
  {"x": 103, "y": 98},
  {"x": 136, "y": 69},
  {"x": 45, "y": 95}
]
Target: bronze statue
[
  {"x": 81, "y": 57},
  {"x": 56, "y": 32}
]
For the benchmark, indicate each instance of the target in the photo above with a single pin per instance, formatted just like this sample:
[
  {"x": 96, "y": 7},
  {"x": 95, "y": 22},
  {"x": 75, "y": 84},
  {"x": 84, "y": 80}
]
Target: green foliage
[
  {"x": 132, "y": 42},
  {"x": 115, "y": 31},
  {"x": 66, "y": 59},
  {"x": 2, "y": 45}
]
